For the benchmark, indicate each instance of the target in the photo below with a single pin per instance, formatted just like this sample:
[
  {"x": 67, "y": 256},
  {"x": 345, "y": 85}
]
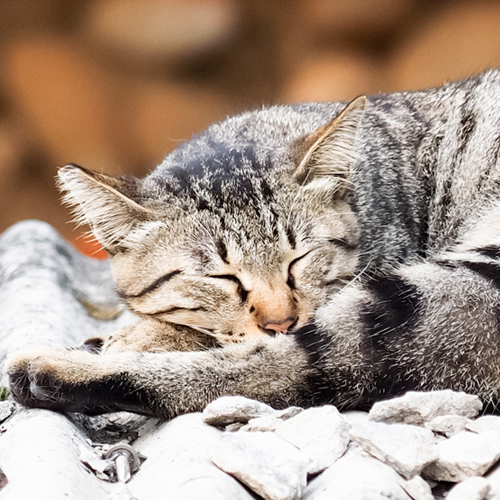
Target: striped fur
[{"x": 327, "y": 254}]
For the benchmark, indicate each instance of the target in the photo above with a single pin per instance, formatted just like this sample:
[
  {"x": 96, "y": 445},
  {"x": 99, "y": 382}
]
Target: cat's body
[{"x": 337, "y": 255}]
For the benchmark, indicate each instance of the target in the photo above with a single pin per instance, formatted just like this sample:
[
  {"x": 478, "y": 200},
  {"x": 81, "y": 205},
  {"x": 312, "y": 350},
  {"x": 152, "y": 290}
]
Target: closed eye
[
  {"x": 150, "y": 288},
  {"x": 290, "y": 278},
  {"x": 242, "y": 292},
  {"x": 343, "y": 243}
]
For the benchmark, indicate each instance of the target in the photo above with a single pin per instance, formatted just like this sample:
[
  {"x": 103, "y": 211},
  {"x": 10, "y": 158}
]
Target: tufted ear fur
[
  {"x": 327, "y": 155},
  {"x": 107, "y": 204}
]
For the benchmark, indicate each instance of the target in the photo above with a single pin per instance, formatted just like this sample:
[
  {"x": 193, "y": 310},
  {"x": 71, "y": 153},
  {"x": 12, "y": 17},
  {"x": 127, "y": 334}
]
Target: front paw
[{"x": 46, "y": 379}]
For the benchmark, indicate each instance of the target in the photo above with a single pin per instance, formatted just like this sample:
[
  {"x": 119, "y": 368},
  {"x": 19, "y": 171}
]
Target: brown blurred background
[{"x": 114, "y": 85}]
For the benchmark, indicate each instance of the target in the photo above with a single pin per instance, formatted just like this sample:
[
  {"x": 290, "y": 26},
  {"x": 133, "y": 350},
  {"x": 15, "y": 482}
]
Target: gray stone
[
  {"x": 113, "y": 427},
  {"x": 232, "y": 409},
  {"x": 40, "y": 453},
  {"x": 474, "y": 488},
  {"x": 419, "y": 407},
  {"x": 267, "y": 464},
  {"x": 289, "y": 412},
  {"x": 179, "y": 464},
  {"x": 493, "y": 477},
  {"x": 406, "y": 448},
  {"x": 7, "y": 408},
  {"x": 355, "y": 417},
  {"x": 268, "y": 423},
  {"x": 418, "y": 489},
  {"x": 357, "y": 476},
  {"x": 448, "y": 425},
  {"x": 271, "y": 422},
  {"x": 3, "y": 480},
  {"x": 464, "y": 455},
  {"x": 321, "y": 433},
  {"x": 487, "y": 423}
]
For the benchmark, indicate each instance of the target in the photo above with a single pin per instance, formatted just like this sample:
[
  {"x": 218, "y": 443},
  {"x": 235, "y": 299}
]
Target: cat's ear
[
  {"x": 107, "y": 204},
  {"x": 326, "y": 156}
]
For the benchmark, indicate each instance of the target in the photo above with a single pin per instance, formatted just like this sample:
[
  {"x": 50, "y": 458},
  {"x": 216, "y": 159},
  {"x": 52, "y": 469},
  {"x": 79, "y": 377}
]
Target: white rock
[
  {"x": 231, "y": 409},
  {"x": 179, "y": 466},
  {"x": 464, "y": 455},
  {"x": 267, "y": 464},
  {"x": 487, "y": 423},
  {"x": 267, "y": 423},
  {"x": 271, "y": 422},
  {"x": 406, "y": 448},
  {"x": 493, "y": 477},
  {"x": 6, "y": 409},
  {"x": 448, "y": 425},
  {"x": 474, "y": 488},
  {"x": 289, "y": 412},
  {"x": 418, "y": 489},
  {"x": 355, "y": 417},
  {"x": 419, "y": 407},
  {"x": 321, "y": 433},
  {"x": 357, "y": 476}
]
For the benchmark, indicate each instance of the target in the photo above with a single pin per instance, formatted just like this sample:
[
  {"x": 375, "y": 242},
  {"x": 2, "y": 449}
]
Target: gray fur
[{"x": 389, "y": 216}]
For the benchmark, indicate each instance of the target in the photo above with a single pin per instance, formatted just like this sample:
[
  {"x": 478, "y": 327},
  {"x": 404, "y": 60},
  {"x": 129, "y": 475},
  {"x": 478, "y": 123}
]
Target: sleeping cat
[{"x": 299, "y": 255}]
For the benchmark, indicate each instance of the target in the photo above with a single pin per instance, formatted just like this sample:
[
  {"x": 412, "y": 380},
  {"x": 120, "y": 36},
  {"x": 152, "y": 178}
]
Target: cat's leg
[
  {"x": 160, "y": 384},
  {"x": 152, "y": 335}
]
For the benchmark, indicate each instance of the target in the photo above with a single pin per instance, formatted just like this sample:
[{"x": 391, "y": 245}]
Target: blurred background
[{"x": 114, "y": 85}]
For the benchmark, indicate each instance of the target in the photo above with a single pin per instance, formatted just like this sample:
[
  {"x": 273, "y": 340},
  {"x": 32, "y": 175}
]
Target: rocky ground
[{"x": 420, "y": 446}]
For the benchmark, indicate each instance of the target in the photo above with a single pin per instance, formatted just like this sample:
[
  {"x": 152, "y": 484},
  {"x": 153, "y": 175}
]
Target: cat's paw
[{"x": 49, "y": 379}]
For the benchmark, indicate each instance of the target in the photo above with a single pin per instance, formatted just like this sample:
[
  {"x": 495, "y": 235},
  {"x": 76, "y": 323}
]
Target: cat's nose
[{"x": 279, "y": 326}]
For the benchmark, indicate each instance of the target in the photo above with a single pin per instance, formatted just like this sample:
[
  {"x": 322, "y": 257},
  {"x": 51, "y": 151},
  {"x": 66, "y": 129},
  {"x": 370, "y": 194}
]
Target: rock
[
  {"x": 289, "y": 412},
  {"x": 237, "y": 426},
  {"x": 452, "y": 44},
  {"x": 419, "y": 407},
  {"x": 113, "y": 427},
  {"x": 179, "y": 466},
  {"x": 406, "y": 448},
  {"x": 232, "y": 409},
  {"x": 269, "y": 422},
  {"x": 267, "y": 464},
  {"x": 356, "y": 476},
  {"x": 44, "y": 282},
  {"x": 418, "y": 489},
  {"x": 40, "y": 453},
  {"x": 448, "y": 425},
  {"x": 3, "y": 480},
  {"x": 355, "y": 417},
  {"x": 474, "y": 488},
  {"x": 486, "y": 423},
  {"x": 6, "y": 410},
  {"x": 151, "y": 31},
  {"x": 320, "y": 433},
  {"x": 493, "y": 477},
  {"x": 464, "y": 455}
]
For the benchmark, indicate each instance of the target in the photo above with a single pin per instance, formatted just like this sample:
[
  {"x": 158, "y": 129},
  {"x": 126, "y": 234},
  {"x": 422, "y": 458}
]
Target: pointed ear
[
  {"x": 107, "y": 204},
  {"x": 325, "y": 157}
]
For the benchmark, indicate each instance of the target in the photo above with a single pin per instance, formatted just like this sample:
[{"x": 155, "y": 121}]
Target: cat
[{"x": 298, "y": 255}]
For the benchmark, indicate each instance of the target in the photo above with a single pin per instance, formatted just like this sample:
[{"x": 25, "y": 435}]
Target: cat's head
[{"x": 242, "y": 231}]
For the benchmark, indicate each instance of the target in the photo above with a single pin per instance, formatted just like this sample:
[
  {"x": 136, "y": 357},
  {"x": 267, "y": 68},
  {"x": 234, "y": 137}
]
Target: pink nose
[{"x": 280, "y": 327}]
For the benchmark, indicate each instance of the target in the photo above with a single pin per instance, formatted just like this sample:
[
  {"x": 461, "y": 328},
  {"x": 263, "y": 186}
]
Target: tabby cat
[{"x": 298, "y": 255}]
